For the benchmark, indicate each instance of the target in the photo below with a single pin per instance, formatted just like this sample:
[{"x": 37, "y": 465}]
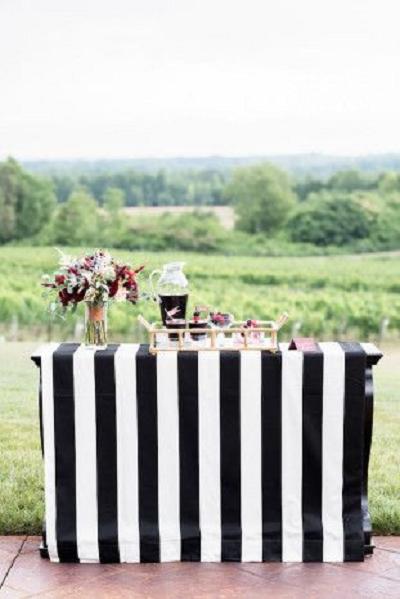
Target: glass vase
[{"x": 96, "y": 325}]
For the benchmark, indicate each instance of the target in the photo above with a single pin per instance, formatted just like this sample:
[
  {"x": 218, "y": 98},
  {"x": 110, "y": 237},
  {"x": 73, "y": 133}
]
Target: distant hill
[{"x": 317, "y": 165}]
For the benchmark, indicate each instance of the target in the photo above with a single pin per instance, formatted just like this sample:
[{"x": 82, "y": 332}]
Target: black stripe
[
  {"x": 353, "y": 444},
  {"x": 368, "y": 424},
  {"x": 146, "y": 385},
  {"x": 271, "y": 438},
  {"x": 65, "y": 458},
  {"x": 41, "y": 411},
  {"x": 231, "y": 549},
  {"x": 312, "y": 456},
  {"x": 106, "y": 449},
  {"x": 189, "y": 455}
]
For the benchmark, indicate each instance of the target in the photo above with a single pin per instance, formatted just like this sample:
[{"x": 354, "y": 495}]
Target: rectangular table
[{"x": 206, "y": 456}]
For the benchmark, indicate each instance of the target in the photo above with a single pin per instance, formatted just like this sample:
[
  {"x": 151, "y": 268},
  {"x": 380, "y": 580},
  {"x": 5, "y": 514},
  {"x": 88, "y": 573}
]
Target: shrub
[
  {"x": 331, "y": 220},
  {"x": 26, "y": 202},
  {"x": 262, "y": 196}
]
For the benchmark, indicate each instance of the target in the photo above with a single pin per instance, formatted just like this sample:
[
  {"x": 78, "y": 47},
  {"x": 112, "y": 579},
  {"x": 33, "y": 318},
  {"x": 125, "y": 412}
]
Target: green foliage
[
  {"x": 114, "y": 199},
  {"x": 345, "y": 181},
  {"x": 196, "y": 231},
  {"x": 350, "y": 211},
  {"x": 77, "y": 220},
  {"x": 331, "y": 219},
  {"x": 63, "y": 187},
  {"x": 351, "y": 180},
  {"x": 194, "y": 188},
  {"x": 114, "y": 225},
  {"x": 389, "y": 182},
  {"x": 330, "y": 296},
  {"x": 26, "y": 202},
  {"x": 305, "y": 186},
  {"x": 262, "y": 196},
  {"x": 386, "y": 232}
]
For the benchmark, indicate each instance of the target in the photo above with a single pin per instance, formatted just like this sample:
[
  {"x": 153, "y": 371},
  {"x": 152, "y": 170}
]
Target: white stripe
[
  {"x": 292, "y": 452},
  {"x": 209, "y": 456},
  {"x": 86, "y": 455},
  {"x": 41, "y": 349},
  {"x": 127, "y": 453},
  {"x": 168, "y": 456},
  {"x": 332, "y": 451},
  {"x": 283, "y": 346},
  {"x": 251, "y": 491},
  {"x": 370, "y": 348},
  {"x": 46, "y": 355}
]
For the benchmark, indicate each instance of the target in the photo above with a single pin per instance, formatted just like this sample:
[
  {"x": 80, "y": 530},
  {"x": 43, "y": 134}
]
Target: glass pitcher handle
[{"x": 152, "y": 288}]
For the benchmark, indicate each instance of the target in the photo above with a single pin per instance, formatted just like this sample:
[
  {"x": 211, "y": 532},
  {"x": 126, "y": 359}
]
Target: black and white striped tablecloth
[{"x": 209, "y": 456}]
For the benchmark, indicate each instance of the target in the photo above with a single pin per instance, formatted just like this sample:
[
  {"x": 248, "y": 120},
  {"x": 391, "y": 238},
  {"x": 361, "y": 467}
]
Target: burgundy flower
[
  {"x": 59, "y": 279},
  {"x": 77, "y": 296},
  {"x": 113, "y": 288},
  {"x": 65, "y": 297}
]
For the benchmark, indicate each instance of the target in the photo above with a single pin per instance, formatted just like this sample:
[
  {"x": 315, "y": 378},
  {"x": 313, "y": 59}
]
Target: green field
[
  {"x": 328, "y": 297},
  {"x": 21, "y": 479}
]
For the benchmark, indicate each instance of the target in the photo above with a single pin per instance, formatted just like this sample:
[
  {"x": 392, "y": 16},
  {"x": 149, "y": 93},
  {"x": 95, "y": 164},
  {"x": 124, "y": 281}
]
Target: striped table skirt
[{"x": 205, "y": 456}]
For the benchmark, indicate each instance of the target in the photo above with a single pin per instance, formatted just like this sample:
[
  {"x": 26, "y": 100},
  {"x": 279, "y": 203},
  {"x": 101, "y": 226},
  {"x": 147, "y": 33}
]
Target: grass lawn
[{"x": 21, "y": 477}]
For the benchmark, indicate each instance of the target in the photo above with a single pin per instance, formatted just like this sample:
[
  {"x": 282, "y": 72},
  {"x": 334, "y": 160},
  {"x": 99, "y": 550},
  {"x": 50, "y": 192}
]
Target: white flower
[
  {"x": 86, "y": 274},
  {"x": 109, "y": 273}
]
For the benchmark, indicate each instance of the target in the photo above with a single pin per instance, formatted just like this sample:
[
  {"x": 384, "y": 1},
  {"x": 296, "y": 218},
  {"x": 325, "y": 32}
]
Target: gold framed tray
[{"x": 263, "y": 336}]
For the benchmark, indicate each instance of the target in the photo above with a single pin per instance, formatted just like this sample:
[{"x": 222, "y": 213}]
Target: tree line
[
  {"x": 275, "y": 213},
  {"x": 186, "y": 188}
]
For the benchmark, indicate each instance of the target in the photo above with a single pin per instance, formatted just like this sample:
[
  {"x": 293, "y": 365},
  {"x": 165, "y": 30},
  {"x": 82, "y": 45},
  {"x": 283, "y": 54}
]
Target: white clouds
[{"x": 133, "y": 78}]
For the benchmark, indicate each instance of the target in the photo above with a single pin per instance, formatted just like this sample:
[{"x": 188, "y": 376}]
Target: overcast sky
[{"x": 136, "y": 78}]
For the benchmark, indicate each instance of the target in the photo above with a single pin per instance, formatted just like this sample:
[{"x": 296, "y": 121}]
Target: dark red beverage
[
  {"x": 175, "y": 323},
  {"x": 198, "y": 324},
  {"x": 174, "y": 306}
]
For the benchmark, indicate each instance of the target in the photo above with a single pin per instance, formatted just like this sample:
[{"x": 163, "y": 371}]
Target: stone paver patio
[{"x": 24, "y": 574}]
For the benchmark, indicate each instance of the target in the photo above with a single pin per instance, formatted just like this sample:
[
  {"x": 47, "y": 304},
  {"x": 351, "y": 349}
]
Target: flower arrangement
[{"x": 95, "y": 279}]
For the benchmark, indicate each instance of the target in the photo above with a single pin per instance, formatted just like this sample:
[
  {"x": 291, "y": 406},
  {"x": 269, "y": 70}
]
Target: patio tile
[
  {"x": 7, "y": 592},
  {"x": 33, "y": 574},
  {"x": 266, "y": 570},
  {"x": 31, "y": 545},
  {"x": 6, "y": 558},
  {"x": 394, "y": 574},
  {"x": 11, "y": 544},
  {"x": 203, "y": 581},
  {"x": 392, "y": 543},
  {"x": 99, "y": 588},
  {"x": 330, "y": 580},
  {"x": 381, "y": 562}
]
